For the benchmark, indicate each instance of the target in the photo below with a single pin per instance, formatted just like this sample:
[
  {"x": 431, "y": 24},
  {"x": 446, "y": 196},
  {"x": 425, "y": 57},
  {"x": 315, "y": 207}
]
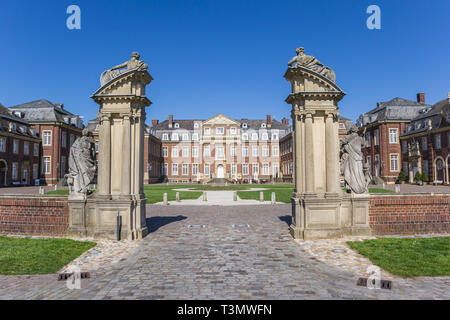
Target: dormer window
[
  {"x": 417, "y": 125},
  {"x": 196, "y": 125},
  {"x": 177, "y": 125},
  {"x": 447, "y": 115},
  {"x": 263, "y": 125},
  {"x": 274, "y": 136},
  {"x": 175, "y": 137},
  {"x": 244, "y": 125},
  {"x": 264, "y": 136},
  {"x": 185, "y": 137},
  {"x": 254, "y": 136},
  {"x": 245, "y": 136},
  {"x": 165, "y": 136}
]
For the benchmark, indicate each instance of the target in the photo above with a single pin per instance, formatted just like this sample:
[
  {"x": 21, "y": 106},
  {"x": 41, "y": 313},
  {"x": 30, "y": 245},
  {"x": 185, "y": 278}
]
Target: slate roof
[
  {"x": 396, "y": 109},
  {"x": 437, "y": 115},
  {"x": 43, "y": 111},
  {"x": 22, "y": 127}
]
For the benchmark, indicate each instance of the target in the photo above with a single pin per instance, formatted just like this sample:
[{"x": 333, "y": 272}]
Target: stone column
[
  {"x": 331, "y": 154},
  {"x": 309, "y": 156},
  {"x": 104, "y": 165},
  {"x": 126, "y": 163},
  {"x": 297, "y": 147}
]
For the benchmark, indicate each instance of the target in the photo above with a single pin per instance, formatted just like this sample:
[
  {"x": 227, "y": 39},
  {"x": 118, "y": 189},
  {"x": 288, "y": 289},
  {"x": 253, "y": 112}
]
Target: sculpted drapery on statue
[
  {"x": 311, "y": 63},
  {"x": 81, "y": 165},
  {"x": 356, "y": 174},
  {"x": 133, "y": 64}
]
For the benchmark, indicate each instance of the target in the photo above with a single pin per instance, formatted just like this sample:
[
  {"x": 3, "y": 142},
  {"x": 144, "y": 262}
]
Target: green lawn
[
  {"x": 408, "y": 257},
  {"x": 58, "y": 192},
  {"x": 38, "y": 256},
  {"x": 155, "y": 193}
]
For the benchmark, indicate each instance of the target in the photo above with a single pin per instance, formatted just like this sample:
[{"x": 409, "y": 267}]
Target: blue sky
[{"x": 223, "y": 56}]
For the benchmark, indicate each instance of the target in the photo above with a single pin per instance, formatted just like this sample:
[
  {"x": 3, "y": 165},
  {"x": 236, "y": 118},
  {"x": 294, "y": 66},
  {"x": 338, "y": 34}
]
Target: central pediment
[{"x": 221, "y": 119}]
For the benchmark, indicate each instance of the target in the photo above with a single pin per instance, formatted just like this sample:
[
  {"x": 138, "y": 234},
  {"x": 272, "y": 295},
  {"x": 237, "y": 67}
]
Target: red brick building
[
  {"x": 58, "y": 129},
  {"x": 426, "y": 144},
  {"x": 383, "y": 126},
  {"x": 19, "y": 150},
  {"x": 220, "y": 148}
]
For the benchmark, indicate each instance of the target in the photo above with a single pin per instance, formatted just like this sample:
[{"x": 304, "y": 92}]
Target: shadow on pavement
[
  {"x": 154, "y": 223},
  {"x": 287, "y": 219}
]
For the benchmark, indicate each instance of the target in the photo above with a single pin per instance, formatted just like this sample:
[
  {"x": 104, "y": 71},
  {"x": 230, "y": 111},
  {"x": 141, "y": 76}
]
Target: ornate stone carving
[
  {"x": 81, "y": 165},
  {"x": 133, "y": 64},
  {"x": 311, "y": 63},
  {"x": 356, "y": 174}
]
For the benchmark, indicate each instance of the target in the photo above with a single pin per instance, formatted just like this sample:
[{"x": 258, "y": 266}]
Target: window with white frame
[
  {"x": 196, "y": 125},
  {"x": 424, "y": 143},
  {"x": 47, "y": 138},
  {"x": 255, "y": 168},
  {"x": 206, "y": 169},
  {"x": 35, "y": 149},
  {"x": 244, "y": 125},
  {"x": 220, "y": 152},
  {"x": 174, "y": 152},
  {"x": 206, "y": 151},
  {"x": 26, "y": 148},
  {"x": 263, "y": 125},
  {"x": 233, "y": 151},
  {"x": 245, "y": 151},
  {"x": 275, "y": 152},
  {"x": 165, "y": 136},
  {"x": 2, "y": 144},
  {"x": 245, "y": 136},
  {"x": 185, "y": 152},
  {"x": 393, "y": 136},
  {"x": 15, "y": 168},
  {"x": 207, "y": 131},
  {"x": 15, "y": 146},
  {"x": 177, "y": 125},
  {"x": 63, "y": 139},
  {"x": 194, "y": 169},
  {"x": 274, "y": 136},
  {"x": 394, "y": 162},
  {"x": 265, "y": 168},
  {"x": 195, "y": 152},
  {"x": 233, "y": 131},
  {"x": 185, "y": 169},
  {"x": 185, "y": 136},
  {"x": 195, "y": 136},
  {"x": 165, "y": 152},
  {"x": 219, "y": 130},
  {"x": 245, "y": 168},
  {"x": 254, "y": 136},
  {"x": 175, "y": 137},
  {"x": 276, "y": 171},
  {"x": 376, "y": 139},
  {"x": 264, "y": 136},
  {"x": 35, "y": 171},
  {"x": 46, "y": 165},
  {"x": 265, "y": 151},
  {"x": 174, "y": 169},
  {"x": 438, "y": 141},
  {"x": 255, "y": 151},
  {"x": 233, "y": 169}
]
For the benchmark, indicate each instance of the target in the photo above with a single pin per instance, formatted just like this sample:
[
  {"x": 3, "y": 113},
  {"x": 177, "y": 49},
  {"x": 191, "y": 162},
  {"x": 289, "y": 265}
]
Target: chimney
[
  {"x": 155, "y": 123},
  {"x": 421, "y": 97},
  {"x": 170, "y": 121},
  {"x": 269, "y": 121},
  {"x": 285, "y": 121}
]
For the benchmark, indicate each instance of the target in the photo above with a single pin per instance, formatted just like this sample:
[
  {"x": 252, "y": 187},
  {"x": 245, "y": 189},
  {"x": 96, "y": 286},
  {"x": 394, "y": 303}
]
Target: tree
[
  {"x": 418, "y": 177},
  {"x": 401, "y": 176},
  {"x": 424, "y": 177}
]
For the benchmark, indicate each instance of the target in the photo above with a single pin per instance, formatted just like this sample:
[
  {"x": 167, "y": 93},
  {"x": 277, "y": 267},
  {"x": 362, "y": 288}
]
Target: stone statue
[
  {"x": 133, "y": 64},
  {"x": 310, "y": 62},
  {"x": 357, "y": 175},
  {"x": 81, "y": 165}
]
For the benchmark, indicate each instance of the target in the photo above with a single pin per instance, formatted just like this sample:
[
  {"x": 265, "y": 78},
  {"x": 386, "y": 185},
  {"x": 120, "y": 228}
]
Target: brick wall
[
  {"x": 410, "y": 214},
  {"x": 33, "y": 215}
]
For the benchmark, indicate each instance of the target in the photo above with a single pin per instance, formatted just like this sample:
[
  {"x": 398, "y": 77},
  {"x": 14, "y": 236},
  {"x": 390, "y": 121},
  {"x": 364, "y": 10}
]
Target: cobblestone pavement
[{"x": 242, "y": 252}]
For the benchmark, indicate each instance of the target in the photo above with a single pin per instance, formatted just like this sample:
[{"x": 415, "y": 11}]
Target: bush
[
  {"x": 424, "y": 177},
  {"x": 401, "y": 176},
  {"x": 418, "y": 177}
]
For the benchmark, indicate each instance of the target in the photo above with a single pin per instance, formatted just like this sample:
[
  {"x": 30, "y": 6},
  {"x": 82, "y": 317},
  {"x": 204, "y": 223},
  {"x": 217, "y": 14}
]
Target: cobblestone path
[{"x": 241, "y": 252}]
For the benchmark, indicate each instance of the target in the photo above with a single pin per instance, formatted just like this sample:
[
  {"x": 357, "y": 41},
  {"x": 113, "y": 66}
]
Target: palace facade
[{"x": 220, "y": 148}]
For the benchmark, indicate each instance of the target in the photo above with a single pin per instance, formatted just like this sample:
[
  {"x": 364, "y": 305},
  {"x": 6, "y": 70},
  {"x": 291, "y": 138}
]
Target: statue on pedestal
[
  {"x": 311, "y": 63},
  {"x": 81, "y": 165},
  {"x": 114, "y": 72},
  {"x": 357, "y": 175}
]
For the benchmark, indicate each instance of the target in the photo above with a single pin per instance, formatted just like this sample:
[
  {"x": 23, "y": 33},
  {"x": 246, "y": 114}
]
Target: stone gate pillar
[
  {"x": 317, "y": 198},
  {"x": 121, "y": 117}
]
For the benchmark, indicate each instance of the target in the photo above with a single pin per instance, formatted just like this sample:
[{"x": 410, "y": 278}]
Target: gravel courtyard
[{"x": 239, "y": 252}]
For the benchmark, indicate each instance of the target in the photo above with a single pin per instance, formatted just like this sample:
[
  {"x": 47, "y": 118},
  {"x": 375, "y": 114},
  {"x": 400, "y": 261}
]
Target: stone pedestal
[
  {"x": 318, "y": 199},
  {"x": 121, "y": 118}
]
